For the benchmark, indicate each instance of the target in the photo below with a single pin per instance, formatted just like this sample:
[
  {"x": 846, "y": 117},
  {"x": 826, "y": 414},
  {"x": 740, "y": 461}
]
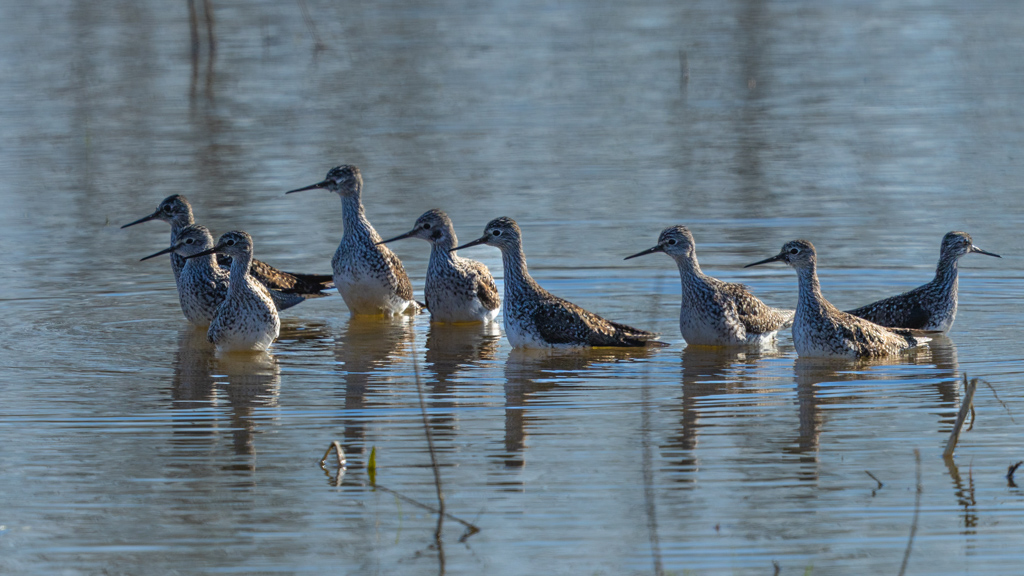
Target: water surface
[{"x": 871, "y": 129}]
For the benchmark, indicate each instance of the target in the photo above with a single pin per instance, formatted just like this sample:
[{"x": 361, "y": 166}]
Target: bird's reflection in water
[
  {"x": 935, "y": 363},
  {"x": 253, "y": 382},
  {"x": 313, "y": 334},
  {"x": 530, "y": 372},
  {"x": 707, "y": 372},
  {"x": 364, "y": 352},
  {"x": 203, "y": 379},
  {"x": 193, "y": 389},
  {"x": 451, "y": 348}
]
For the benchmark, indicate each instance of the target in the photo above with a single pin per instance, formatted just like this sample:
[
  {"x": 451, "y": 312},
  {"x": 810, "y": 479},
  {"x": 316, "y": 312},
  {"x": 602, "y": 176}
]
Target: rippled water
[{"x": 870, "y": 128}]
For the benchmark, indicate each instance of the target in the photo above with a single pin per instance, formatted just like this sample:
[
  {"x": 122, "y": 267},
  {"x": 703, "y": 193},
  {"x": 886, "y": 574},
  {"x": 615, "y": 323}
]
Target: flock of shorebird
[{"x": 221, "y": 285}]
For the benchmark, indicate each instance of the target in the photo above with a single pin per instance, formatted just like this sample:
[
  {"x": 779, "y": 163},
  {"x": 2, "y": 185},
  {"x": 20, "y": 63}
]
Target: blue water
[{"x": 871, "y": 128}]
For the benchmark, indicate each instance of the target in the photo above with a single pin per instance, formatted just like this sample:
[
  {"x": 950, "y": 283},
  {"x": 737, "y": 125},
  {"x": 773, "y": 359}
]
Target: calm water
[{"x": 870, "y": 128}]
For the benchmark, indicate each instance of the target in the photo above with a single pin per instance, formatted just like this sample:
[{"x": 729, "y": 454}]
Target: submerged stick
[
  {"x": 965, "y": 407},
  {"x": 917, "y": 513}
]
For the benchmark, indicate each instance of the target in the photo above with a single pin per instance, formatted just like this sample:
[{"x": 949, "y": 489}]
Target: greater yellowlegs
[
  {"x": 202, "y": 284},
  {"x": 821, "y": 329},
  {"x": 713, "y": 312},
  {"x": 247, "y": 319},
  {"x": 368, "y": 275},
  {"x": 933, "y": 305},
  {"x": 535, "y": 318},
  {"x": 286, "y": 288},
  {"x": 457, "y": 289}
]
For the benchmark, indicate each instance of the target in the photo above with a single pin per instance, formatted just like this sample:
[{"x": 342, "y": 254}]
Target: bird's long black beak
[
  {"x": 322, "y": 184},
  {"x": 658, "y": 248},
  {"x": 477, "y": 242},
  {"x": 164, "y": 251},
  {"x": 980, "y": 251},
  {"x": 775, "y": 258},
  {"x": 400, "y": 237},
  {"x": 152, "y": 216},
  {"x": 204, "y": 253}
]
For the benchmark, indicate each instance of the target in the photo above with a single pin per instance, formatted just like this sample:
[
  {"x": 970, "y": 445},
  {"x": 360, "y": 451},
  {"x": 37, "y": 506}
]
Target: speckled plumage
[
  {"x": 713, "y": 312},
  {"x": 931, "y": 306},
  {"x": 247, "y": 319},
  {"x": 821, "y": 329},
  {"x": 286, "y": 289},
  {"x": 535, "y": 318},
  {"x": 202, "y": 284},
  {"x": 457, "y": 289},
  {"x": 368, "y": 275}
]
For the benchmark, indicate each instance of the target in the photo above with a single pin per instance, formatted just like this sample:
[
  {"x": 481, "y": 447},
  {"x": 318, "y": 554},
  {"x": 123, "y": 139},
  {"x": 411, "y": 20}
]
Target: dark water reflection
[{"x": 871, "y": 128}]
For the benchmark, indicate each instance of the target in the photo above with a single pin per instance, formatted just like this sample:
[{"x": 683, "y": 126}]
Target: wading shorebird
[
  {"x": 535, "y": 318},
  {"x": 933, "y": 305},
  {"x": 286, "y": 288},
  {"x": 821, "y": 329},
  {"x": 367, "y": 274},
  {"x": 457, "y": 289},
  {"x": 247, "y": 319},
  {"x": 713, "y": 312},
  {"x": 202, "y": 283}
]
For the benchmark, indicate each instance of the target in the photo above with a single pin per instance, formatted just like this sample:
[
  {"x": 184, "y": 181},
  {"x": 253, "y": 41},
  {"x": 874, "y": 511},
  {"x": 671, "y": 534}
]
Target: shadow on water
[{"x": 364, "y": 353}]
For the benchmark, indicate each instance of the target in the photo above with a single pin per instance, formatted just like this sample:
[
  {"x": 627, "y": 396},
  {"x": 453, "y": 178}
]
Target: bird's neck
[
  {"x": 441, "y": 250},
  {"x": 180, "y": 222},
  {"x": 946, "y": 273},
  {"x": 201, "y": 264},
  {"x": 239, "y": 273},
  {"x": 810, "y": 296},
  {"x": 354, "y": 217},
  {"x": 517, "y": 278},
  {"x": 688, "y": 266}
]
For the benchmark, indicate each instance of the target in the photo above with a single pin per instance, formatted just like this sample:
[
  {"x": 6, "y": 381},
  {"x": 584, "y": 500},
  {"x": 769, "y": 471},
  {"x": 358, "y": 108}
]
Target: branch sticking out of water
[
  {"x": 336, "y": 446},
  {"x": 966, "y": 406},
  {"x": 875, "y": 479},
  {"x": 338, "y": 450},
  {"x": 1009, "y": 473},
  {"x": 917, "y": 511}
]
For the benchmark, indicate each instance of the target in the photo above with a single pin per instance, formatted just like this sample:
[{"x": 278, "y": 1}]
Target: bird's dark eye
[
  {"x": 673, "y": 242},
  {"x": 167, "y": 208},
  {"x": 495, "y": 232},
  {"x": 231, "y": 242},
  {"x": 426, "y": 226},
  {"x": 190, "y": 241},
  {"x": 794, "y": 250}
]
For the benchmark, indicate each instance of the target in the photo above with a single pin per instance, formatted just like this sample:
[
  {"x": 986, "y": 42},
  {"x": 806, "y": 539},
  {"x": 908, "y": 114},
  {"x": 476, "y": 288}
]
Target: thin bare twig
[
  {"x": 917, "y": 513},
  {"x": 875, "y": 479},
  {"x": 470, "y": 528},
  {"x": 311, "y": 25},
  {"x": 430, "y": 444},
  {"x": 998, "y": 399},
  {"x": 1010, "y": 472},
  {"x": 965, "y": 407}
]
